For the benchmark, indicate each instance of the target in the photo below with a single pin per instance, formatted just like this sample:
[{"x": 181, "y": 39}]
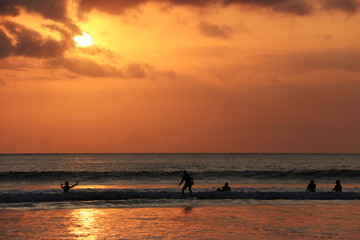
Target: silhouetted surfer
[
  {"x": 338, "y": 187},
  {"x": 188, "y": 183},
  {"x": 67, "y": 186},
  {"x": 225, "y": 188},
  {"x": 311, "y": 187}
]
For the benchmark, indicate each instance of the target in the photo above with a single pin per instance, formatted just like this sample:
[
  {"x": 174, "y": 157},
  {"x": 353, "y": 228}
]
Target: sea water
[{"x": 136, "y": 196}]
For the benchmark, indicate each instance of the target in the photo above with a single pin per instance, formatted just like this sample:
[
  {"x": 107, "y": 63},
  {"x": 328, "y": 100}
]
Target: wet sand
[{"x": 248, "y": 220}]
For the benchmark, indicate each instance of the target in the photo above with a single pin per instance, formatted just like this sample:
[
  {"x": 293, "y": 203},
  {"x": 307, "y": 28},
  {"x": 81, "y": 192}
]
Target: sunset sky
[{"x": 180, "y": 76}]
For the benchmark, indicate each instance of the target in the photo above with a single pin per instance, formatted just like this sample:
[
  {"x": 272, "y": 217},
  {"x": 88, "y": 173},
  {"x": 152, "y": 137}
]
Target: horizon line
[{"x": 181, "y": 153}]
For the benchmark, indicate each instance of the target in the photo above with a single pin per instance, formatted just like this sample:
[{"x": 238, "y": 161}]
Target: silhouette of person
[
  {"x": 311, "y": 187},
  {"x": 188, "y": 183},
  {"x": 67, "y": 187},
  {"x": 338, "y": 187},
  {"x": 225, "y": 188}
]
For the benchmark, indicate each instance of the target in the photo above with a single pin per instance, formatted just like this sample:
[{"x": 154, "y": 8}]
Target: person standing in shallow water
[
  {"x": 67, "y": 187},
  {"x": 311, "y": 187},
  {"x": 188, "y": 183},
  {"x": 338, "y": 187}
]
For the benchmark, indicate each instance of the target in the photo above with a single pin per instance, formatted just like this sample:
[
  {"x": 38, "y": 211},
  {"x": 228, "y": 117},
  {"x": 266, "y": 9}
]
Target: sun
[{"x": 83, "y": 40}]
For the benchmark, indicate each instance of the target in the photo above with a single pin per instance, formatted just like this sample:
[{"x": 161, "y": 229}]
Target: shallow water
[
  {"x": 256, "y": 220},
  {"x": 136, "y": 196},
  {"x": 262, "y": 172}
]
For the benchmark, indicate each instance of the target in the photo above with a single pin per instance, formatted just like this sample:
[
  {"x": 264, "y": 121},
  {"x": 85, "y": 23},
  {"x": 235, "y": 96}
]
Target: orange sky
[{"x": 180, "y": 76}]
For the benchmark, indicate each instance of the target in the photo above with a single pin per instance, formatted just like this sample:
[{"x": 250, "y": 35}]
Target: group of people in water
[
  {"x": 312, "y": 186},
  {"x": 185, "y": 178},
  {"x": 189, "y": 182}
]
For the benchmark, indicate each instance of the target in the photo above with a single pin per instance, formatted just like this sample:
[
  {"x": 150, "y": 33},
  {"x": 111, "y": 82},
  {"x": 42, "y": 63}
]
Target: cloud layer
[
  {"x": 31, "y": 43},
  {"x": 296, "y": 7},
  {"x": 20, "y": 40},
  {"x": 28, "y": 43},
  {"x": 50, "y": 9}
]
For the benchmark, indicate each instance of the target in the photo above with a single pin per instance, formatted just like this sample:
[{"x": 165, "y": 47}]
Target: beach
[
  {"x": 189, "y": 220},
  {"x": 136, "y": 196}
]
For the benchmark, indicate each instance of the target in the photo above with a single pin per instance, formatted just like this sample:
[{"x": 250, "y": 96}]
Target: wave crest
[{"x": 14, "y": 196}]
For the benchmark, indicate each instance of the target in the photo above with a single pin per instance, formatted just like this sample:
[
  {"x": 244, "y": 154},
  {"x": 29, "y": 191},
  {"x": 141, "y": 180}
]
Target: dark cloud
[
  {"x": 6, "y": 47},
  {"x": 65, "y": 34},
  {"x": 90, "y": 68},
  {"x": 67, "y": 30},
  {"x": 109, "y": 6},
  {"x": 18, "y": 40},
  {"x": 118, "y": 7},
  {"x": 191, "y": 2},
  {"x": 348, "y": 6},
  {"x": 6, "y": 9},
  {"x": 51, "y": 9},
  {"x": 212, "y": 30},
  {"x": 85, "y": 67},
  {"x": 28, "y": 43},
  {"x": 298, "y": 7}
]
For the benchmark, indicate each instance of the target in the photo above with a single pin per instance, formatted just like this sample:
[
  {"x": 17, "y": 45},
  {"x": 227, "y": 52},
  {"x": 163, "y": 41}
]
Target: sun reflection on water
[
  {"x": 85, "y": 223},
  {"x": 308, "y": 220}
]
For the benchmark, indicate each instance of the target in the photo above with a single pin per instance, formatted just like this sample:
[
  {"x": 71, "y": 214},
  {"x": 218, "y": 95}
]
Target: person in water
[
  {"x": 67, "y": 187},
  {"x": 225, "y": 188},
  {"x": 338, "y": 187},
  {"x": 311, "y": 187},
  {"x": 188, "y": 183}
]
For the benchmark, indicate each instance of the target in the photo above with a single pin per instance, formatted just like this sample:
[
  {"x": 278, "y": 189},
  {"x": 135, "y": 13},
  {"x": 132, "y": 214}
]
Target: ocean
[{"x": 136, "y": 196}]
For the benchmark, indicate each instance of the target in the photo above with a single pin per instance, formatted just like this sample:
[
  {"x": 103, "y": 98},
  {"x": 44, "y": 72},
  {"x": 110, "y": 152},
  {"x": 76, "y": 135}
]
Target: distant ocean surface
[
  {"x": 37, "y": 177},
  {"x": 136, "y": 196}
]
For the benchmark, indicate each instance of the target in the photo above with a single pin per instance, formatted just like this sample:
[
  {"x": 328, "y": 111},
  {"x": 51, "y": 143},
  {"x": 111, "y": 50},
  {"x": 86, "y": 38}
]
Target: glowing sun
[{"x": 83, "y": 40}]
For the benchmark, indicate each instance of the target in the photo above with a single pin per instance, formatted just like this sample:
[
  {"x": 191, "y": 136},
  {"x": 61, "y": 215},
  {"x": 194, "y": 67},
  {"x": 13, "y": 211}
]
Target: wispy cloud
[
  {"x": 86, "y": 67},
  {"x": 90, "y": 68},
  {"x": 213, "y": 30}
]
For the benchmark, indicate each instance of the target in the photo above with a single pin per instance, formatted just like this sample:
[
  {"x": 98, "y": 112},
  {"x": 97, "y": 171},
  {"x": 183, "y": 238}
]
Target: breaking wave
[{"x": 52, "y": 195}]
